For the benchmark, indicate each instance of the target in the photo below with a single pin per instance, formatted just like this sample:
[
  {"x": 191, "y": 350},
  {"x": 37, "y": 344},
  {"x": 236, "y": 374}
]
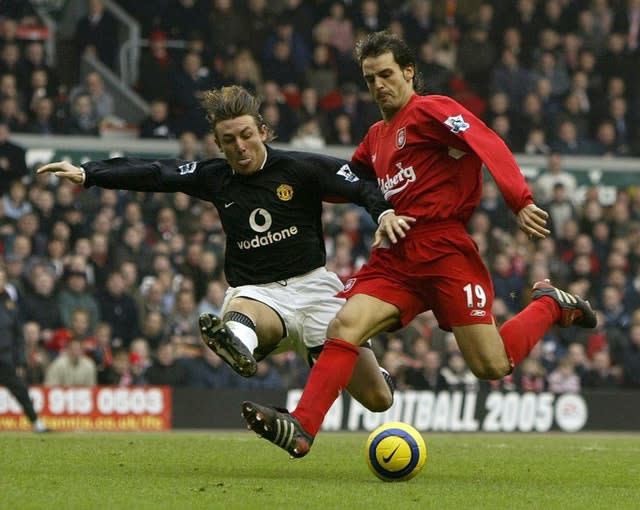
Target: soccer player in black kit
[{"x": 270, "y": 204}]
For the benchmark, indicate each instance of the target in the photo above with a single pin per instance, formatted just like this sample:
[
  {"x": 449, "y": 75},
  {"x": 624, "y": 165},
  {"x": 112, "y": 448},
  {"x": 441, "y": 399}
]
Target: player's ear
[
  {"x": 408, "y": 73},
  {"x": 264, "y": 132}
]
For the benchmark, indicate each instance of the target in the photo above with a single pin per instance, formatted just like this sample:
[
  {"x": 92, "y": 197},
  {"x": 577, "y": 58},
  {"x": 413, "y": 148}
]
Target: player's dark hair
[
  {"x": 231, "y": 102},
  {"x": 377, "y": 43}
]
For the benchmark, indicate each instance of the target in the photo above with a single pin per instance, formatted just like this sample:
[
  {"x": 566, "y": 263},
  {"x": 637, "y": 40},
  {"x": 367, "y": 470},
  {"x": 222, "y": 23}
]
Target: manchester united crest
[
  {"x": 401, "y": 137},
  {"x": 284, "y": 192}
]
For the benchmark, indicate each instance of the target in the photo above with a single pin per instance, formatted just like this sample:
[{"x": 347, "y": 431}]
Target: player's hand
[
  {"x": 533, "y": 221},
  {"x": 393, "y": 228},
  {"x": 63, "y": 169}
]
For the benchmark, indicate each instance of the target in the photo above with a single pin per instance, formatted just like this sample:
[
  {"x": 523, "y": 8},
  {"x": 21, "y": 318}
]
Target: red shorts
[{"x": 436, "y": 267}]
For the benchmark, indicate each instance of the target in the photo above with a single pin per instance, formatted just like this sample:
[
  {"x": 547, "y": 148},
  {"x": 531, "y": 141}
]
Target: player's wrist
[{"x": 384, "y": 213}]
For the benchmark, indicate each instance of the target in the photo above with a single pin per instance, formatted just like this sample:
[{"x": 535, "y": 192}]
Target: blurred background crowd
[{"x": 111, "y": 283}]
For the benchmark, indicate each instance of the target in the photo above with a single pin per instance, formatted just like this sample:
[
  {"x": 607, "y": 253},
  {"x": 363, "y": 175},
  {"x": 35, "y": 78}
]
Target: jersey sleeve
[
  {"x": 161, "y": 175},
  {"x": 454, "y": 119},
  {"x": 338, "y": 182}
]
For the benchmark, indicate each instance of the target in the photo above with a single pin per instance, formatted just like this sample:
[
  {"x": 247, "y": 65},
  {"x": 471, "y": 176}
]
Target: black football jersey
[{"x": 272, "y": 218}]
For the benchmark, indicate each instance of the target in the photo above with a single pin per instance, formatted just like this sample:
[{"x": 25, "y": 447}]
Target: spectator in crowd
[
  {"x": 531, "y": 376},
  {"x": 226, "y": 28},
  {"x": 102, "y": 352},
  {"x": 35, "y": 59},
  {"x": 102, "y": 100},
  {"x": 339, "y": 28},
  {"x": 58, "y": 341},
  {"x": 157, "y": 65},
  {"x": 187, "y": 86},
  {"x": 183, "y": 321},
  {"x": 154, "y": 329},
  {"x": 75, "y": 294},
  {"x": 12, "y": 114},
  {"x": 274, "y": 97},
  {"x": 601, "y": 375},
  {"x": 457, "y": 374},
  {"x": 165, "y": 370},
  {"x": 208, "y": 370},
  {"x": 631, "y": 359},
  {"x": 157, "y": 124},
  {"x": 83, "y": 118},
  {"x": 36, "y": 356},
  {"x": 118, "y": 308},
  {"x": 476, "y": 57},
  {"x": 555, "y": 173},
  {"x": 322, "y": 72},
  {"x": 212, "y": 301},
  {"x": 15, "y": 203},
  {"x": 13, "y": 164},
  {"x": 96, "y": 34},
  {"x": 12, "y": 352},
  {"x": 510, "y": 77},
  {"x": 72, "y": 367},
  {"x": 361, "y": 114},
  {"x": 120, "y": 372},
  {"x": 41, "y": 301},
  {"x": 427, "y": 376},
  {"x": 43, "y": 120},
  {"x": 183, "y": 17},
  {"x": 564, "y": 379},
  {"x": 438, "y": 77},
  {"x": 266, "y": 377}
]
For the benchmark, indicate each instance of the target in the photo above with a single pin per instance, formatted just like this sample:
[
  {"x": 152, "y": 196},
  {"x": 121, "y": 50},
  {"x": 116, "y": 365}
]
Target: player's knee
[
  {"x": 378, "y": 401},
  {"x": 335, "y": 328},
  {"x": 491, "y": 370}
]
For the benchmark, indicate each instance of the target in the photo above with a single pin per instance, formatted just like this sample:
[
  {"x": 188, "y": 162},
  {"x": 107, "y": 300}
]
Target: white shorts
[{"x": 305, "y": 304}]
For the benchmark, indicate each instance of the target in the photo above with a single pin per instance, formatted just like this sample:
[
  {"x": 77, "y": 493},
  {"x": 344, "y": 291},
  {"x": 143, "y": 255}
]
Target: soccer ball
[{"x": 395, "y": 452}]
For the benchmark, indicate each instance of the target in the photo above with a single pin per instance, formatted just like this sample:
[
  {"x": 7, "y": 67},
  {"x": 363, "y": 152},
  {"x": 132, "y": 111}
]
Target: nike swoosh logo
[
  {"x": 228, "y": 205},
  {"x": 387, "y": 459}
]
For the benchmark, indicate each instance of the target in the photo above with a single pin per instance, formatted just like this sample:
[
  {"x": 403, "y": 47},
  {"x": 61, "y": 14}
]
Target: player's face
[
  {"x": 391, "y": 87},
  {"x": 242, "y": 142}
]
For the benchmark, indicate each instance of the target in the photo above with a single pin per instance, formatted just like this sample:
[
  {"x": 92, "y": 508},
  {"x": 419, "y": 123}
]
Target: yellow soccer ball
[{"x": 395, "y": 452}]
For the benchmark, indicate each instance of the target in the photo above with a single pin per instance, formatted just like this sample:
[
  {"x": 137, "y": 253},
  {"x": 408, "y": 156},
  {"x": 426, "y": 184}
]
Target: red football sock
[
  {"x": 520, "y": 333},
  {"x": 329, "y": 375}
]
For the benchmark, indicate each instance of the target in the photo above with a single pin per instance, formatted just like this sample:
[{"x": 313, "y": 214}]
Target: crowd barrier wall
[{"x": 158, "y": 408}]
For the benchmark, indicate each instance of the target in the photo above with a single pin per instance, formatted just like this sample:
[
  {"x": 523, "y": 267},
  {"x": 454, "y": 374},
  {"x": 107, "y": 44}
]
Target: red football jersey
[{"x": 428, "y": 161}]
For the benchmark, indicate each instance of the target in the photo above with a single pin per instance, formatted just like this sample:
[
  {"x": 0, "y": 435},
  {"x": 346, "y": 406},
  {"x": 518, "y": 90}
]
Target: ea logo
[{"x": 260, "y": 220}]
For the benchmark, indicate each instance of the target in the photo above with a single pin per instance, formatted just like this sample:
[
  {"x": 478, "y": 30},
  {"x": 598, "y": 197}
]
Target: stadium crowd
[{"x": 111, "y": 283}]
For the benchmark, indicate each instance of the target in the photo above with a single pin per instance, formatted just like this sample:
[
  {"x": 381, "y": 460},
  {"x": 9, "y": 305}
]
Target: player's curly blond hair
[{"x": 231, "y": 102}]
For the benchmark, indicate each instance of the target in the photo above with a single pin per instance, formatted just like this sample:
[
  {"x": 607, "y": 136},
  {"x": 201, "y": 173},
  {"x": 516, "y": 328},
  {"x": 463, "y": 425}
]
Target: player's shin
[
  {"x": 330, "y": 374},
  {"x": 520, "y": 333}
]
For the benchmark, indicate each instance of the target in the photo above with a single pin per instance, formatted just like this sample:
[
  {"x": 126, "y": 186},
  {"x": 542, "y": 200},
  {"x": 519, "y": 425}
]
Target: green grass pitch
[{"x": 236, "y": 470}]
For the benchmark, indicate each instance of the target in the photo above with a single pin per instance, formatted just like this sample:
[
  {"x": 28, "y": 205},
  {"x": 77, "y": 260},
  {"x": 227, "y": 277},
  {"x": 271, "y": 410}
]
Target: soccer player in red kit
[{"x": 427, "y": 154}]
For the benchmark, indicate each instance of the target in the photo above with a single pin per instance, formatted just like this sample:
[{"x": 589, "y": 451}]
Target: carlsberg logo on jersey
[
  {"x": 391, "y": 185},
  {"x": 260, "y": 221}
]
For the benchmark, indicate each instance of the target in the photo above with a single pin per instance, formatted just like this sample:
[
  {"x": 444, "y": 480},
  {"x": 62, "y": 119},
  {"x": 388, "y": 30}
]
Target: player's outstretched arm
[
  {"x": 533, "y": 221},
  {"x": 63, "y": 169}
]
